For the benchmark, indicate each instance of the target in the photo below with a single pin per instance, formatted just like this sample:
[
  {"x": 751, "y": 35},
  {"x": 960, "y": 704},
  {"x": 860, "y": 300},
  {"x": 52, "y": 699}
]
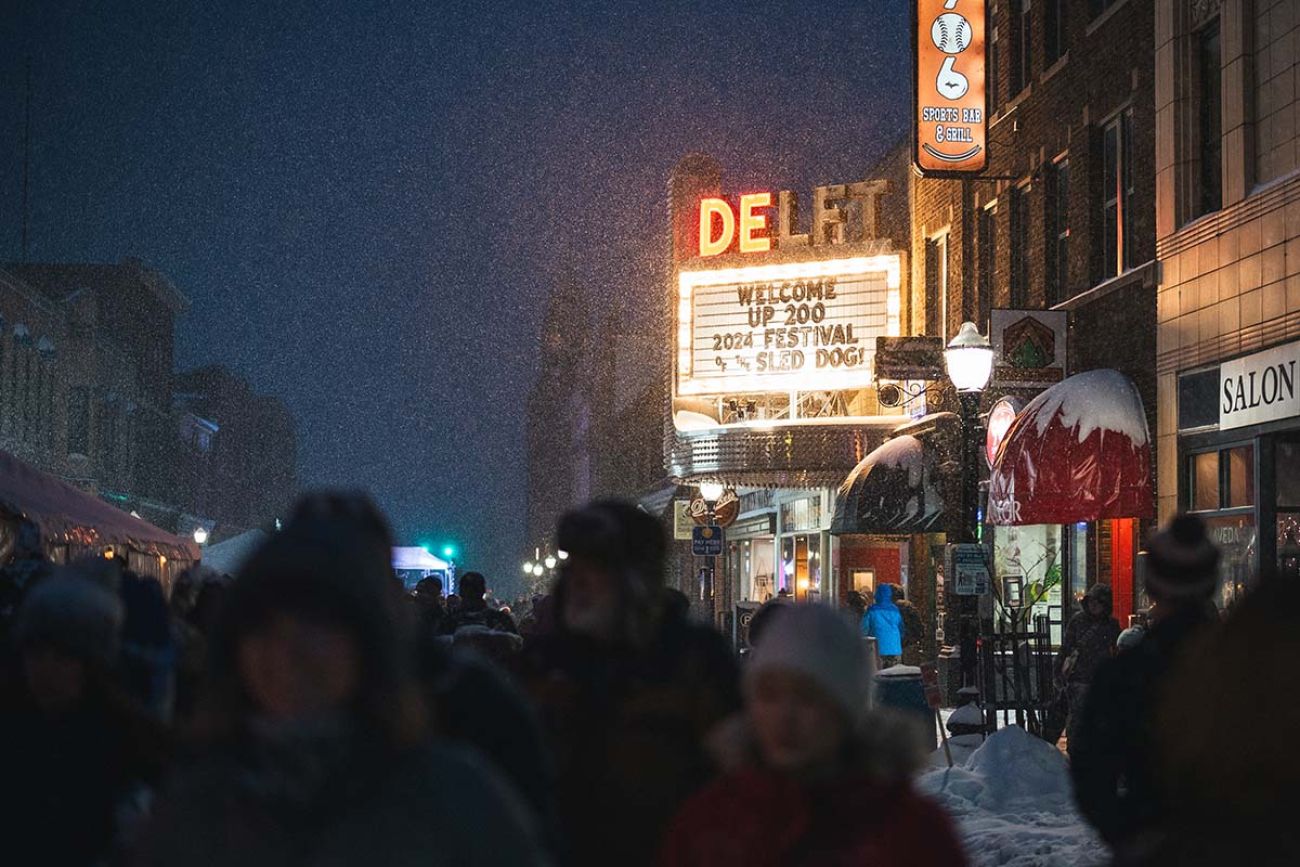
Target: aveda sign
[{"x": 1260, "y": 388}]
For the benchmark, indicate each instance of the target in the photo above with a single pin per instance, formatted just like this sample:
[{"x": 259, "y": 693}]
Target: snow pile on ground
[
  {"x": 1013, "y": 803},
  {"x": 960, "y": 746}
]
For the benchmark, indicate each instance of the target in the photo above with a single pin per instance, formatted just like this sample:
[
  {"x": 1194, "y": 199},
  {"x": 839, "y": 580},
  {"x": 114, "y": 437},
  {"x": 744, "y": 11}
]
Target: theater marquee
[{"x": 795, "y": 326}]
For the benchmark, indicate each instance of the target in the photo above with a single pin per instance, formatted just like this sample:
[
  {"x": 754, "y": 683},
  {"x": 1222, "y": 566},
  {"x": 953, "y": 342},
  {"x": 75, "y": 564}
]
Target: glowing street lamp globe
[
  {"x": 538, "y": 570},
  {"x": 711, "y": 492},
  {"x": 969, "y": 359},
  {"x": 528, "y": 567},
  {"x": 550, "y": 562},
  {"x": 201, "y": 536},
  {"x": 563, "y": 555}
]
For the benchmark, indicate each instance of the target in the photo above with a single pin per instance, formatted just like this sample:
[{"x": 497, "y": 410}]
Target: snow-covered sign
[
  {"x": 1080, "y": 451},
  {"x": 791, "y": 326},
  {"x": 1028, "y": 347},
  {"x": 1260, "y": 387}
]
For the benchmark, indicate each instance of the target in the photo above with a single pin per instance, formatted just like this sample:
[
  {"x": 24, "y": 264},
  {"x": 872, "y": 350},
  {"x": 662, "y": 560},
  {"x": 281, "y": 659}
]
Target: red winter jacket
[{"x": 756, "y": 818}]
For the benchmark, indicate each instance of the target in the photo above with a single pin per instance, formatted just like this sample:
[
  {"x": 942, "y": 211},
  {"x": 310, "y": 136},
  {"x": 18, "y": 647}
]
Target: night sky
[{"x": 366, "y": 203}]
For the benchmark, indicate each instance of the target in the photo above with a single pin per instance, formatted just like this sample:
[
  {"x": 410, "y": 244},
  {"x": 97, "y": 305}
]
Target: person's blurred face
[
  {"x": 297, "y": 669},
  {"x": 1095, "y": 607},
  {"x": 799, "y": 730},
  {"x": 590, "y": 599},
  {"x": 56, "y": 680}
]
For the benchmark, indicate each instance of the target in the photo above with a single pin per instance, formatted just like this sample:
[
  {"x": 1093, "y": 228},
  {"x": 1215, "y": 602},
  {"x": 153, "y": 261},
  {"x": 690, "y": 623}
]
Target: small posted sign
[{"x": 968, "y": 566}]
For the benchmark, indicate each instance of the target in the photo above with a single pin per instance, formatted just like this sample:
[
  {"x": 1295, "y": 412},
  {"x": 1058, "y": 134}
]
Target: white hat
[{"x": 821, "y": 644}]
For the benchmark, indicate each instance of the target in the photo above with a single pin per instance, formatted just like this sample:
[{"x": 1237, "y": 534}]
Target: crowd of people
[{"x": 310, "y": 711}]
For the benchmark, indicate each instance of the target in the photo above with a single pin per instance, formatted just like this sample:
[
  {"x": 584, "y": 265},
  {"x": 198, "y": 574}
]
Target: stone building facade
[{"x": 1228, "y": 222}]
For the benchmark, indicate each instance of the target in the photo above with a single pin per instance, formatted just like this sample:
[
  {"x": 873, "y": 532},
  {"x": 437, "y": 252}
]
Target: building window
[
  {"x": 1019, "y": 248},
  {"x": 1022, "y": 68},
  {"x": 1054, "y": 30},
  {"x": 988, "y": 241},
  {"x": 936, "y": 286},
  {"x": 1210, "y": 117},
  {"x": 1222, "y": 479},
  {"x": 1058, "y": 253},
  {"x": 1117, "y": 191},
  {"x": 79, "y": 421}
]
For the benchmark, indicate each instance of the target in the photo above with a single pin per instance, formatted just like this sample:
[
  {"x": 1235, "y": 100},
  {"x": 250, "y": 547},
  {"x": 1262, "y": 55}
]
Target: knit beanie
[
  {"x": 1182, "y": 562},
  {"x": 820, "y": 643},
  {"x": 72, "y": 614}
]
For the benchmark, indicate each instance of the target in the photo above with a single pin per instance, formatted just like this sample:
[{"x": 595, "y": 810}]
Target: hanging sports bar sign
[{"x": 951, "y": 122}]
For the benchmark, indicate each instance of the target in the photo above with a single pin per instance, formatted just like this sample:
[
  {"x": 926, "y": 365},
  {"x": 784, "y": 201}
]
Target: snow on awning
[
  {"x": 1080, "y": 451},
  {"x": 895, "y": 489}
]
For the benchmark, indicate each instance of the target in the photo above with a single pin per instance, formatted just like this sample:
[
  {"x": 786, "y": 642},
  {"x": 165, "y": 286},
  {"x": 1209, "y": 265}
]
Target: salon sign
[{"x": 1260, "y": 388}]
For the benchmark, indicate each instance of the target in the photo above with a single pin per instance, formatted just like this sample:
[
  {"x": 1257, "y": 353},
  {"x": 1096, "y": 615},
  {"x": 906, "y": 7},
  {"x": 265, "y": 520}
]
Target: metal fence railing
[{"x": 1016, "y": 682}]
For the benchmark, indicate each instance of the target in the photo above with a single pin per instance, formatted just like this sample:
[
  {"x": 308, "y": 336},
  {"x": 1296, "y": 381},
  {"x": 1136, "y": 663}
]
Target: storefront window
[
  {"x": 1205, "y": 481},
  {"x": 1241, "y": 476},
  {"x": 1286, "y": 473},
  {"x": 756, "y": 568},
  {"x": 1077, "y": 542},
  {"x": 805, "y": 514},
  {"x": 1237, "y": 539},
  {"x": 801, "y": 566},
  {"x": 1288, "y": 544},
  {"x": 1031, "y": 558}
]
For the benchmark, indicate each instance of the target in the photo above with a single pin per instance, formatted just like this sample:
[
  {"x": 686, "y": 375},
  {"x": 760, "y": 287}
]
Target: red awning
[
  {"x": 1080, "y": 451},
  {"x": 67, "y": 516}
]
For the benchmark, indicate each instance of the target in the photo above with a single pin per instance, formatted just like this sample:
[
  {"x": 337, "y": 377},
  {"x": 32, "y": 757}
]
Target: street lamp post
[
  {"x": 969, "y": 361},
  {"x": 711, "y": 492}
]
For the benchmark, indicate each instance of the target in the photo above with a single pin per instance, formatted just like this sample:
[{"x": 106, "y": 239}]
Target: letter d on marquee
[{"x": 709, "y": 246}]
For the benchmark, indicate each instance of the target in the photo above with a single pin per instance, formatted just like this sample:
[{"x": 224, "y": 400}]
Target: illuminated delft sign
[{"x": 785, "y": 326}]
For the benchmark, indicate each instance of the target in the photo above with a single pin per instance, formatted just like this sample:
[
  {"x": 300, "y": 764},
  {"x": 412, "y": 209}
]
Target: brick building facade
[
  {"x": 88, "y": 394},
  {"x": 1064, "y": 217}
]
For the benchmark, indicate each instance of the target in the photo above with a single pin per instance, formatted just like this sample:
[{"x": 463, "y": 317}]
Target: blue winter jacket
[{"x": 884, "y": 622}]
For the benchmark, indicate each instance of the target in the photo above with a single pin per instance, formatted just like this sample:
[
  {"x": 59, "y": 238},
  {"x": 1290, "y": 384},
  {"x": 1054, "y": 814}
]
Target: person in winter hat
[
  {"x": 1089, "y": 640},
  {"x": 313, "y": 744},
  {"x": 77, "y": 751},
  {"x": 474, "y": 610},
  {"x": 884, "y": 622},
  {"x": 1227, "y": 777},
  {"x": 825, "y": 783},
  {"x": 628, "y": 690},
  {"x": 1113, "y": 748}
]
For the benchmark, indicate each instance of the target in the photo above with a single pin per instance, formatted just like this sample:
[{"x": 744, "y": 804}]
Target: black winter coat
[{"x": 1114, "y": 760}]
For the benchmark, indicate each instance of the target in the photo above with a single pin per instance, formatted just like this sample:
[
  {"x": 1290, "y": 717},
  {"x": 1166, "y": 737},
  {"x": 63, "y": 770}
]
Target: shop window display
[{"x": 1031, "y": 557}]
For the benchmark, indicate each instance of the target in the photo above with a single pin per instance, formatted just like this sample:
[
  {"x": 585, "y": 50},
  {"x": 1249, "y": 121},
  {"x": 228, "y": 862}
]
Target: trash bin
[{"x": 900, "y": 688}]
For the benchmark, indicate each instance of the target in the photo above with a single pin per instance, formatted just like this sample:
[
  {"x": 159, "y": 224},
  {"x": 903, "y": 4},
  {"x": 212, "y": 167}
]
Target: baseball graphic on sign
[{"x": 951, "y": 33}]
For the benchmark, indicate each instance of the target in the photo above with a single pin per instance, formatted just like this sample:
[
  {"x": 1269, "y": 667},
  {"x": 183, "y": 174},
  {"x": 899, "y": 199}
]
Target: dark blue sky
[{"x": 366, "y": 203}]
